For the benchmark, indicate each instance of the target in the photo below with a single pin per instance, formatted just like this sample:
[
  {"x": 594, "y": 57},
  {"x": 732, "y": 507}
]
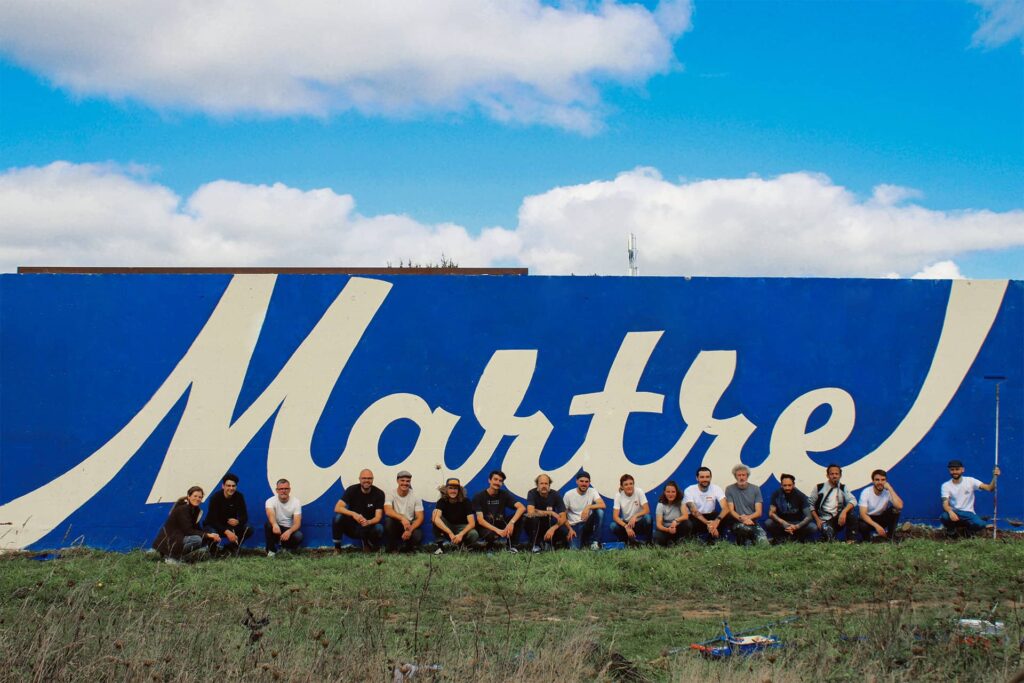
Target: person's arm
[
  {"x": 272, "y": 518},
  {"x": 645, "y": 509},
  {"x": 417, "y": 520},
  {"x": 758, "y": 510},
  {"x": 243, "y": 511},
  {"x": 897, "y": 502},
  {"x": 296, "y": 524},
  {"x": 991, "y": 486},
  {"x": 438, "y": 519},
  {"x": 520, "y": 510},
  {"x": 814, "y": 507},
  {"x": 695, "y": 513},
  {"x": 341, "y": 509},
  {"x": 730, "y": 509},
  {"x": 844, "y": 513},
  {"x": 617, "y": 515},
  {"x": 659, "y": 523},
  {"x": 485, "y": 524},
  {"x": 773, "y": 513},
  {"x": 389, "y": 510}
]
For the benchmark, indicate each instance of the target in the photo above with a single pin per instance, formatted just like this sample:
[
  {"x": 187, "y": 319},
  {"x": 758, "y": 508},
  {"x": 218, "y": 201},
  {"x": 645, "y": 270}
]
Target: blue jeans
[
  {"x": 589, "y": 531},
  {"x": 274, "y": 541},
  {"x": 642, "y": 527},
  {"x": 968, "y": 521}
]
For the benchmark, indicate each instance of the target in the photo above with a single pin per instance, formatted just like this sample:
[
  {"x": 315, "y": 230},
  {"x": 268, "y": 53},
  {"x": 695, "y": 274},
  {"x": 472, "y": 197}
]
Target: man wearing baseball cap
[
  {"x": 958, "y": 500},
  {"x": 403, "y": 512}
]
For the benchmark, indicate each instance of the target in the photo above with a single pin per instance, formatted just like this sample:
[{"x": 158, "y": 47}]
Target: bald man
[{"x": 359, "y": 513}]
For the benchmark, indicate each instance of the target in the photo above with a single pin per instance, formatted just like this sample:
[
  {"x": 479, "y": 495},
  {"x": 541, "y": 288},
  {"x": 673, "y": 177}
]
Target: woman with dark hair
[
  {"x": 672, "y": 521},
  {"x": 180, "y": 535}
]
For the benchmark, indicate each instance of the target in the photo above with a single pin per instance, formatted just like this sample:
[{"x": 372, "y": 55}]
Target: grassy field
[{"x": 874, "y": 612}]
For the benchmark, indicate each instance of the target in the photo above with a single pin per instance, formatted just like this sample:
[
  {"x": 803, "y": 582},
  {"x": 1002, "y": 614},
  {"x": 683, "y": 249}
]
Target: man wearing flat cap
[{"x": 403, "y": 516}]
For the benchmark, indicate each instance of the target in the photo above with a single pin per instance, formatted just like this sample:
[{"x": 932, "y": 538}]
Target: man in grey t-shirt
[{"x": 745, "y": 508}]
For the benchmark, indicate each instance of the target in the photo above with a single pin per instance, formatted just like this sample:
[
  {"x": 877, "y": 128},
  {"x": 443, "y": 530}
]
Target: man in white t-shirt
[
  {"x": 631, "y": 514},
  {"x": 958, "y": 500},
  {"x": 584, "y": 509},
  {"x": 403, "y": 516},
  {"x": 703, "y": 498},
  {"x": 880, "y": 508},
  {"x": 284, "y": 518}
]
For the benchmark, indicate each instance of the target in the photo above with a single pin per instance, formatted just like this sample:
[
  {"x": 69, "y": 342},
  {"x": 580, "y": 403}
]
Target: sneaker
[
  {"x": 439, "y": 551},
  {"x": 512, "y": 549},
  {"x": 594, "y": 545},
  {"x": 271, "y": 553},
  {"x": 535, "y": 549},
  {"x": 171, "y": 560}
]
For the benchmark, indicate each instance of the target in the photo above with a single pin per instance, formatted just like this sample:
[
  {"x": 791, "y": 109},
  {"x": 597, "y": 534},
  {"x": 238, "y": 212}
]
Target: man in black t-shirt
[
  {"x": 789, "y": 513},
  {"x": 453, "y": 518},
  {"x": 491, "y": 506},
  {"x": 545, "y": 516},
  {"x": 359, "y": 513},
  {"x": 227, "y": 516}
]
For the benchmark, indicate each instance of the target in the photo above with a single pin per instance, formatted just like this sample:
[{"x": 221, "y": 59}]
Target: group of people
[{"x": 494, "y": 518}]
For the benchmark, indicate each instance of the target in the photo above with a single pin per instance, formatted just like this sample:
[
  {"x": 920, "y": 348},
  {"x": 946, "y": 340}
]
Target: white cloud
[
  {"x": 796, "y": 224},
  {"x": 67, "y": 214},
  {"x": 943, "y": 270},
  {"x": 516, "y": 60},
  {"x": 1002, "y": 21},
  {"x": 799, "y": 224}
]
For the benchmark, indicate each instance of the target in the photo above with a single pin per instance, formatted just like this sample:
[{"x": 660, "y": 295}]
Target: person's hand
[
  {"x": 842, "y": 518},
  {"x": 996, "y": 472},
  {"x": 713, "y": 528},
  {"x": 887, "y": 487},
  {"x": 232, "y": 522},
  {"x": 457, "y": 538},
  {"x": 214, "y": 537},
  {"x": 572, "y": 533},
  {"x": 747, "y": 520},
  {"x": 631, "y": 522},
  {"x": 286, "y": 535},
  {"x": 359, "y": 518},
  {"x": 881, "y": 532},
  {"x": 585, "y": 514},
  {"x": 672, "y": 527},
  {"x": 550, "y": 533},
  {"x": 953, "y": 517},
  {"x": 231, "y": 535},
  {"x": 276, "y": 529},
  {"x": 791, "y": 529},
  {"x": 407, "y": 534},
  {"x": 630, "y": 532},
  {"x": 406, "y": 524}
]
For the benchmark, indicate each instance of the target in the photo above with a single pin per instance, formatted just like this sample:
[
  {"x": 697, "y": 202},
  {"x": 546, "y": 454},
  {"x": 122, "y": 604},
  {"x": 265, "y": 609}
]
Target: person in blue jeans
[
  {"x": 584, "y": 509},
  {"x": 958, "y": 514}
]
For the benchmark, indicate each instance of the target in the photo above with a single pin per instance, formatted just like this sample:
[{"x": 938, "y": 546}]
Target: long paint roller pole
[{"x": 995, "y": 492}]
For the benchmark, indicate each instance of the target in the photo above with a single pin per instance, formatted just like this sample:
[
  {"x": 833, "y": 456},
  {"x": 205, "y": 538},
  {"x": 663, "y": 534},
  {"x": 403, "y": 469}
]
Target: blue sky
[{"x": 927, "y": 97}]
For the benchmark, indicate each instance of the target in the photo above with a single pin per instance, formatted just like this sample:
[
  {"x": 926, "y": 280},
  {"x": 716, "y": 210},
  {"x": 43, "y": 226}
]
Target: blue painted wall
[{"x": 80, "y": 355}]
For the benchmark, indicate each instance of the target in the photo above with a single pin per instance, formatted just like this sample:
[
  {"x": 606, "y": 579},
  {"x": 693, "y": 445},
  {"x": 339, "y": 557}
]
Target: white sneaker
[
  {"x": 439, "y": 551},
  {"x": 171, "y": 560},
  {"x": 535, "y": 549},
  {"x": 271, "y": 553},
  {"x": 512, "y": 549},
  {"x": 594, "y": 545}
]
